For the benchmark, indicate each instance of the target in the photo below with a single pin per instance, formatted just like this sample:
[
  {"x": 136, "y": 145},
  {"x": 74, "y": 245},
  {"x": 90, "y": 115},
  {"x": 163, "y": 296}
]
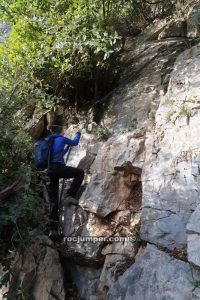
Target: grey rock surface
[
  {"x": 193, "y": 225},
  {"x": 193, "y": 28},
  {"x": 147, "y": 67},
  {"x": 193, "y": 237},
  {"x": 39, "y": 270},
  {"x": 171, "y": 177},
  {"x": 193, "y": 247},
  {"x": 108, "y": 189},
  {"x": 176, "y": 28},
  {"x": 154, "y": 276},
  {"x": 4, "y": 31},
  {"x": 152, "y": 155},
  {"x": 86, "y": 279}
]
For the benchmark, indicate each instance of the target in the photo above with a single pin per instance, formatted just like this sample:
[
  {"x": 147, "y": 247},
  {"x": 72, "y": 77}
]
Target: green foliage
[
  {"x": 142, "y": 12},
  {"x": 4, "y": 279},
  {"x": 101, "y": 132},
  {"x": 18, "y": 216},
  {"x": 196, "y": 283},
  {"x": 56, "y": 52},
  {"x": 185, "y": 112},
  {"x": 133, "y": 125},
  {"x": 21, "y": 212},
  {"x": 66, "y": 50},
  {"x": 169, "y": 114},
  {"x": 15, "y": 292},
  {"x": 54, "y": 45}
]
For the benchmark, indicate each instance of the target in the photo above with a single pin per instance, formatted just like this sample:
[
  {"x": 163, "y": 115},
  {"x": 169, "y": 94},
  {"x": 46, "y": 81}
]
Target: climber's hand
[
  {"x": 79, "y": 130},
  {"x": 84, "y": 125}
]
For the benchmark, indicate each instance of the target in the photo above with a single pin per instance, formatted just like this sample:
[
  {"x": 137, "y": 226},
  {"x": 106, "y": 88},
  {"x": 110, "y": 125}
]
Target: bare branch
[{"x": 12, "y": 189}]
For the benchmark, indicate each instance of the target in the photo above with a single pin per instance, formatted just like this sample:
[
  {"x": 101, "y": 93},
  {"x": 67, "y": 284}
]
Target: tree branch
[{"x": 12, "y": 189}]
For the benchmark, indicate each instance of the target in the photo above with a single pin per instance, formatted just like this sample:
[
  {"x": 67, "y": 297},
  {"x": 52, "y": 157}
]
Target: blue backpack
[{"x": 42, "y": 152}]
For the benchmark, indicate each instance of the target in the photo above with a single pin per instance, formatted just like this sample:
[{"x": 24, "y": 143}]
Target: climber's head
[{"x": 57, "y": 129}]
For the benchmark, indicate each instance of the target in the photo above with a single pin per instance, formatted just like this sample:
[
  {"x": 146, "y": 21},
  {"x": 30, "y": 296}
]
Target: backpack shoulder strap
[{"x": 51, "y": 141}]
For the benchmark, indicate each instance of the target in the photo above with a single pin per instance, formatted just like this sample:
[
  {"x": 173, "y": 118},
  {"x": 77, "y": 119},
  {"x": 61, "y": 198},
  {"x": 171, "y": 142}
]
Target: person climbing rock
[{"x": 57, "y": 169}]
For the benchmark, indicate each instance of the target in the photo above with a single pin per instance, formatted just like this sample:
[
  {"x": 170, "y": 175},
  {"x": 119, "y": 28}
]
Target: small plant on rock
[
  {"x": 185, "y": 112},
  {"x": 101, "y": 132}
]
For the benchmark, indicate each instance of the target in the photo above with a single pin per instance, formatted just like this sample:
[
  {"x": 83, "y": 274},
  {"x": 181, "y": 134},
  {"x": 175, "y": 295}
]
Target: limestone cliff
[
  {"x": 153, "y": 121},
  {"x": 142, "y": 183}
]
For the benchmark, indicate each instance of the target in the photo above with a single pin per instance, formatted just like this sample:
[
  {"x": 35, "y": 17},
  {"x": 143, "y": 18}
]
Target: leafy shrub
[{"x": 61, "y": 47}]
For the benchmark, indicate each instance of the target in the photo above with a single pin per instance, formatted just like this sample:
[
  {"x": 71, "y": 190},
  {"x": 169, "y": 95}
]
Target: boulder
[
  {"x": 176, "y": 28},
  {"x": 152, "y": 31},
  {"x": 193, "y": 246},
  {"x": 37, "y": 125},
  {"x": 39, "y": 271},
  {"x": 81, "y": 232},
  {"x": 84, "y": 154},
  {"x": 155, "y": 276}
]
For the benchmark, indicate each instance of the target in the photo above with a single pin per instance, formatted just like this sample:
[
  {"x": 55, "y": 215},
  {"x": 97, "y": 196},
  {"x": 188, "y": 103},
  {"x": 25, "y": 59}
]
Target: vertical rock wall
[
  {"x": 157, "y": 135},
  {"x": 171, "y": 176},
  {"x": 142, "y": 184}
]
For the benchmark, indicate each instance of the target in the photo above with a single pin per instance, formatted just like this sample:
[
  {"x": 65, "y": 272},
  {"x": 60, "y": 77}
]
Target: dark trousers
[{"x": 61, "y": 171}]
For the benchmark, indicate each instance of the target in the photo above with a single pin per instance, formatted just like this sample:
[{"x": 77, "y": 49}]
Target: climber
[{"x": 58, "y": 169}]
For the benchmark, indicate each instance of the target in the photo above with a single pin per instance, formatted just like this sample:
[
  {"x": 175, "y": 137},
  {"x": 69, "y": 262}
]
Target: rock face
[
  {"x": 86, "y": 279},
  {"x": 110, "y": 190},
  {"x": 39, "y": 271},
  {"x": 141, "y": 185},
  {"x": 155, "y": 276},
  {"x": 137, "y": 98},
  {"x": 4, "y": 31},
  {"x": 90, "y": 237},
  {"x": 176, "y": 28},
  {"x": 193, "y": 25},
  {"x": 152, "y": 155},
  {"x": 193, "y": 237},
  {"x": 39, "y": 121},
  {"x": 170, "y": 178}
]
